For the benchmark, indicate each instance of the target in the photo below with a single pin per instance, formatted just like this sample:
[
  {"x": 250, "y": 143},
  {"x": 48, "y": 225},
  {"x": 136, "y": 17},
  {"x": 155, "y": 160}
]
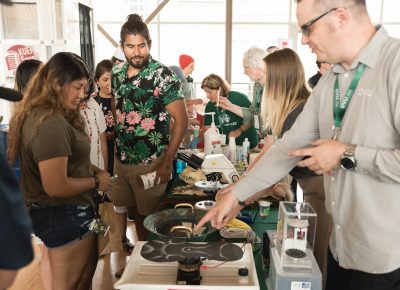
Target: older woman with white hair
[{"x": 253, "y": 66}]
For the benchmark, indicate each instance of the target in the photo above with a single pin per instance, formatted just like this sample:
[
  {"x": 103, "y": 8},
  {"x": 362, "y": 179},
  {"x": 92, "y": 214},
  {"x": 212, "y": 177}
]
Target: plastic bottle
[
  {"x": 194, "y": 139},
  {"x": 239, "y": 153},
  {"x": 180, "y": 166},
  {"x": 212, "y": 140},
  {"x": 246, "y": 149},
  {"x": 232, "y": 149},
  {"x": 196, "y": 131}
]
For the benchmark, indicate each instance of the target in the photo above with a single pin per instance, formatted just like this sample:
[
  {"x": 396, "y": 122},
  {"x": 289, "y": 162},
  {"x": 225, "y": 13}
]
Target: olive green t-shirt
[
  {"x": 54, "y": 137},
  {"x": 227, "y": 121}
]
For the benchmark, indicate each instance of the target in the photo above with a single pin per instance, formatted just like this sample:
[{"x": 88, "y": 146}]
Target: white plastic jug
[{"x": 212, "y": 140}]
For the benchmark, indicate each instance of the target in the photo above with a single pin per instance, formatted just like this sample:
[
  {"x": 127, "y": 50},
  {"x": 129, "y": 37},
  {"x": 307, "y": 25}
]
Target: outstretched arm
[
  {"x": 222, "y": 212},
  {"x": 227, "y": 105}
]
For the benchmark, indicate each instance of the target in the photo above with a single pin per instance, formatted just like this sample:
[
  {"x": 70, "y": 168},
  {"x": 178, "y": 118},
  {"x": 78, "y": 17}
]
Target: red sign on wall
[{"x": 18, "y": 53}]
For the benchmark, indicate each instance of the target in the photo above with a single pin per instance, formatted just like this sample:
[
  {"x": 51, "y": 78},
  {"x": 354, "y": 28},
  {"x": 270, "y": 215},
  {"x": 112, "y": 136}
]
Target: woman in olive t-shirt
[{"x": 47, "y": 133}]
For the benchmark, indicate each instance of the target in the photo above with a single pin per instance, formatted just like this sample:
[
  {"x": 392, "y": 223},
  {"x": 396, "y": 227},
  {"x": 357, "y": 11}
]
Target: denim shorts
[{"x": 61, "y": 224}]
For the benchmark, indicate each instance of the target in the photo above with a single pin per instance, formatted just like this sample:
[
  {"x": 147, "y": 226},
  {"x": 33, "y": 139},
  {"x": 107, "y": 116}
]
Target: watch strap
[{"x": 350, "y": 150}]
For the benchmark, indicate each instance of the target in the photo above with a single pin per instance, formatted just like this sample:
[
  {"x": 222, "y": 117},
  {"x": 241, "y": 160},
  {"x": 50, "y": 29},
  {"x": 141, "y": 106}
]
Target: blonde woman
[{"x": 283, "y": 100}]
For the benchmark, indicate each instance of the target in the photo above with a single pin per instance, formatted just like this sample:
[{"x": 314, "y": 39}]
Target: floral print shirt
[
  {"x": 105, "y": 105},
  {"x": 142, "y": 124}
]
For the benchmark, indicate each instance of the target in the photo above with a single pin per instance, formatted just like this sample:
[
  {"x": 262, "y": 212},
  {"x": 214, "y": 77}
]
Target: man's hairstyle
[
  {"x": 254, "y": 57},
  {"x": 135, "y": 25},
  {"x": 24, "y": 73},
  {"x": 272, "y": 48}
]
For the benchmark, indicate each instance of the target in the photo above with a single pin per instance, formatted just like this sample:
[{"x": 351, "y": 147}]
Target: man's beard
[{"x": 140, "y": 64}]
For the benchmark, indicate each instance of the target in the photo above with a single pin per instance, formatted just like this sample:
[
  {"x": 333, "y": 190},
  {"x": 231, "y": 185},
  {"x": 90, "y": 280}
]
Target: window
[
  {"x": 193, "y": 11},
  {"x": 391, "y": 11},
  {"x": 59, "y": 19},
  {"x": 260, "y": 11},
  {"x": 20, "y": 20}
]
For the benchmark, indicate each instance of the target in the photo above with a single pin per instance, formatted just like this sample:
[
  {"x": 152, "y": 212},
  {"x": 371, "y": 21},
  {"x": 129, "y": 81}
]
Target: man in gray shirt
[{"x": 350, "y": 129}]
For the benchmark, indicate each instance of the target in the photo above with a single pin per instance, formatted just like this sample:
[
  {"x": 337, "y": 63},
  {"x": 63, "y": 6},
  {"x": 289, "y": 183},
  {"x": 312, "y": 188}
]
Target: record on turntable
[{"x": 207, "y": 185}]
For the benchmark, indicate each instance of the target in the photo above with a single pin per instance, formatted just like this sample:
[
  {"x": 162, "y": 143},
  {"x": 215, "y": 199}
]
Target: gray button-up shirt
[{"x": 364, "y": 203}]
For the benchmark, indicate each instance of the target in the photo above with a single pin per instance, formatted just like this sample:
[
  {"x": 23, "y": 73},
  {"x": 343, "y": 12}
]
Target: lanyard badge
[{"x": 340, "y": 107}]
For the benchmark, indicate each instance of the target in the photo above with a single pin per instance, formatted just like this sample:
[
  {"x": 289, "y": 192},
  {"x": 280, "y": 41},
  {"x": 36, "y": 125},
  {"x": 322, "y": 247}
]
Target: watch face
[{"x": 347, "y": 163}]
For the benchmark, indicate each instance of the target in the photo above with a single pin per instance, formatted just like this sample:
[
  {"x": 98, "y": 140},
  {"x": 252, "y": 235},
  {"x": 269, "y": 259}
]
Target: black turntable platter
[{"x": 175, "y": 250}]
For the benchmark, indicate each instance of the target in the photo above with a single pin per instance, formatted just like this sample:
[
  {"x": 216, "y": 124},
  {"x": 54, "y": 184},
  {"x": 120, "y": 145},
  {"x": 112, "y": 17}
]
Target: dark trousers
[{"x": 347, "y": 279}]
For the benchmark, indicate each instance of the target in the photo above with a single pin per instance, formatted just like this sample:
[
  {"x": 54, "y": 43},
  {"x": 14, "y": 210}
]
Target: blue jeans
[{"x": 61, "y": 224}]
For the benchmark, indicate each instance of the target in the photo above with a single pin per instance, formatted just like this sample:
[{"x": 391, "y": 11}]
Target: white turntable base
[{"x": 142, "y": 274}]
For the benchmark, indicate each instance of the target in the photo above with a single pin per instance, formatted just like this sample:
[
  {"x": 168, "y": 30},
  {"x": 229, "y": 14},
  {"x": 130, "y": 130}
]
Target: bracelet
[
  {"x": 96, "y": 183},
  {"x": 241, "y": 130}
]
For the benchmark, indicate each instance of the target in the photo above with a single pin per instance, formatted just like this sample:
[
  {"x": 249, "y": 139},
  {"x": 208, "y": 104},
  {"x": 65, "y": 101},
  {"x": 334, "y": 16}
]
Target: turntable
[{"x": 176, "y": 264}]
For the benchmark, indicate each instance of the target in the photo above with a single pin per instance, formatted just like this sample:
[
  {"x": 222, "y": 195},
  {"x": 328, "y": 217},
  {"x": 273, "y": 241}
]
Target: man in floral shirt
[{"x": 148, "y": 96}]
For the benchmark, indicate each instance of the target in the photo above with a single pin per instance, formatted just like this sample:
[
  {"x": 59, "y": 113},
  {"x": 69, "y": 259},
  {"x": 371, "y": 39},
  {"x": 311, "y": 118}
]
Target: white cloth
[{"x": 95, "y": 125}]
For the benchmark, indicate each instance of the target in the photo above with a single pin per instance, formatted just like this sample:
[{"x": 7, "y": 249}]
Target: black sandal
[
  {"x": 127, "y": 245},
  {"x": 119, "y": 273}
]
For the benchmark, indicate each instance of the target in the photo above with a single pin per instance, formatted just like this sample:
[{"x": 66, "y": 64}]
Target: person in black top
[{"x": 323, "y": 67}]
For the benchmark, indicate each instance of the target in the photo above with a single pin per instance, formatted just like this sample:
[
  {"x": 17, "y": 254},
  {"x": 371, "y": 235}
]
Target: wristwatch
[{"x": 348, "y": 161}]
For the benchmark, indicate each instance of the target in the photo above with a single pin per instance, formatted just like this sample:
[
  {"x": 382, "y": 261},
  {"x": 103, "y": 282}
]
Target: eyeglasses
[{"x": 305, "y": 29}]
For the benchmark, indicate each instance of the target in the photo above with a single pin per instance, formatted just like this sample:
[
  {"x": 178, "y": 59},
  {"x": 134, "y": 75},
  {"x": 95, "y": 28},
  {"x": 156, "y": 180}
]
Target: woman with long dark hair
[{"x": 58, "y": 180}]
